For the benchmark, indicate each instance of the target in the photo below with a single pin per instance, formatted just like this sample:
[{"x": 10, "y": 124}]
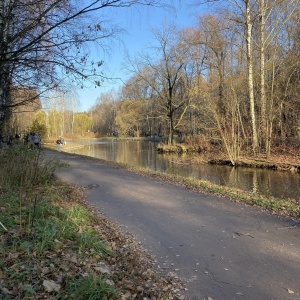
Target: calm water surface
[{"x": 143, "y": 154}]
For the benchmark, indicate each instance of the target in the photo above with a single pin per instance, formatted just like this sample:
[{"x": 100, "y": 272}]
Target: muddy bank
[{"x": 280, "y": 163}]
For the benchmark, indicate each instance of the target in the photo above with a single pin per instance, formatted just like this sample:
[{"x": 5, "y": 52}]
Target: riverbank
[
  {"x": 282, "y": 160},
  {"x": 289, "y": 208},
  {"x": 272, "y": 162},
  {"x": 282, "y": 206}
]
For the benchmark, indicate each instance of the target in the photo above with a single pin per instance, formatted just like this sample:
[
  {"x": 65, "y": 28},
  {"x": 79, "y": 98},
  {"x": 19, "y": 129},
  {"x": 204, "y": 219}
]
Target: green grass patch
[
  {"x": 54, "y": 246},
  {"x": 91, "y": 287},
  {"x": 47, "y": 234}
]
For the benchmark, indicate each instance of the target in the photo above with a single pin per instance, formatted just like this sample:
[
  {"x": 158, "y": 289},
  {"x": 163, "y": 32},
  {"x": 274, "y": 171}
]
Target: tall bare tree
[
  {"x": 43, "y": 43},
  {"x": 273, "y": 16},
  {"x": 261, "y": 24},
  {"x": 165, "y": 77}
]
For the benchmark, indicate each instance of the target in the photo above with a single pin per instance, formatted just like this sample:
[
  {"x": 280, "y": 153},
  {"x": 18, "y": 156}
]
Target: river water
[{"x": 278, "y": 184}]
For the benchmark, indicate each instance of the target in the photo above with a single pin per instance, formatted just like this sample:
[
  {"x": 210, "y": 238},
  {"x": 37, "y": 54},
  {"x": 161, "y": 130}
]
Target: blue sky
[{"x": 137, "y": 22}]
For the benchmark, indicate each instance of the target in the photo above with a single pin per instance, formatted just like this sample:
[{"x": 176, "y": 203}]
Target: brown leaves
[
  {"x": 132, "y": 268},
  {"x": 129, "y": 268}
]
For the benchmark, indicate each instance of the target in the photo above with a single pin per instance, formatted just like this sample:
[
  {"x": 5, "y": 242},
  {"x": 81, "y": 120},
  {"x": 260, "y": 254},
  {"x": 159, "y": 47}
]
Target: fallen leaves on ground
[
  {"x": 137, "y": 275},
  {"x": 130, "y": 269}
]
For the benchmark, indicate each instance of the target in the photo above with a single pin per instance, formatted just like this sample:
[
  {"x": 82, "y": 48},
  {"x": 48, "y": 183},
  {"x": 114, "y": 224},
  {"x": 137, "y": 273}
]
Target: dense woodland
[{"x": 233, "y": 78}]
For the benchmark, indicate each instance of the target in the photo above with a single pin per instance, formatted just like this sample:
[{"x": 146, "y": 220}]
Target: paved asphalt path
[{"x": 220, "y": 249}]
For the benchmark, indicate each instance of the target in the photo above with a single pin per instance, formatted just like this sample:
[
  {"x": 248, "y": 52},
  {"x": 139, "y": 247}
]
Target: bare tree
[
  {"x": 165, "y": 77},
  {"x": 104, "y": 113},
  {"x": 43, "y": 43},
  {"x": 261, "y": 24},
  {"x": 273, "y": 16}
]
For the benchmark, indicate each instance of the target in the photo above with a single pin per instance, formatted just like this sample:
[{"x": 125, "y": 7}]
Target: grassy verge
[
  {"x": 284, "y": 207},
  {"x": 54, "y": 246}
]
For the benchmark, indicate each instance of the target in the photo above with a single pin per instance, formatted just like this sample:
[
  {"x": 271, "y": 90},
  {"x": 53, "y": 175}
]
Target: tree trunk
[
  {"x": 263, "y": 116},
  {"x": 171, "y": 130},
  {"x": 250, "y": 77}
]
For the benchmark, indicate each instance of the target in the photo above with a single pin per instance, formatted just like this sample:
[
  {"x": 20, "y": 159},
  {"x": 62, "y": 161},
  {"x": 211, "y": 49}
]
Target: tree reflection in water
[{"x": 278, "y": 184}]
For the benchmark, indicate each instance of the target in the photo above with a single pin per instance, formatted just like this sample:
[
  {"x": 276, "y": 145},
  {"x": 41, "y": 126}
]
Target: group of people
[
  {"x": 6, "y": 140},
  {"x": 33, "y": 140},
  {"x": 10, "y": 140}
]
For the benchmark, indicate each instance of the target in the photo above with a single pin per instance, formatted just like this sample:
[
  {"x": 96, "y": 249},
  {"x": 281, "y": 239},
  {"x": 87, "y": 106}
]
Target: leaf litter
[{"x": 127, "y": 268}]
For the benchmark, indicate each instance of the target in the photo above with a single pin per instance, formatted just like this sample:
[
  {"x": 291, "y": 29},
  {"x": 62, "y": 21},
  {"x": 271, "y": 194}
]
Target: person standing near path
[
  {"x": 59, "y": 142},
  {"x": 36, "y": 140},
  {"x": 31, "y": 140},
  {"x": 58, "y": 145},
  {"x": 17, "y": 137}
]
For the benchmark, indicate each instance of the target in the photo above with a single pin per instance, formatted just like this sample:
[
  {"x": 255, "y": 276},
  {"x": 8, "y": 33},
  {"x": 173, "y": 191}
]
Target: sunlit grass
[
  {"x": 91, "y": 288},
  {"x": 42, "y": 226},
  {"x": 287, "y": 207}
]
